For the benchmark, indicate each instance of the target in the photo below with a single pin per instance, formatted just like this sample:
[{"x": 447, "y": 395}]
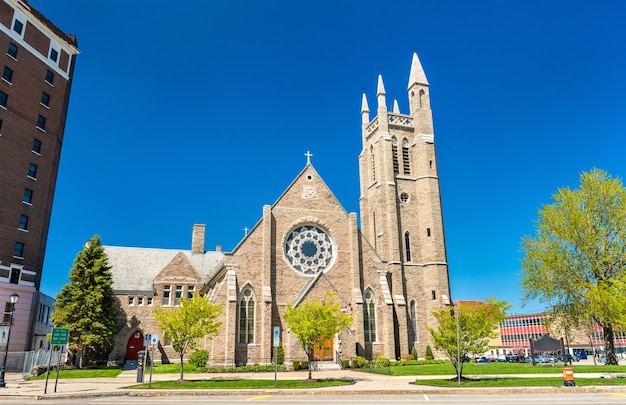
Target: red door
[{"x": 135, "y": 343}]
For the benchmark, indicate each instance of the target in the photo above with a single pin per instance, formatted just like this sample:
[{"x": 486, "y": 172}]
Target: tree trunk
[
  {"x": 609, "y": 345},
  {"x": 309, "y": 355},
  {"x": 181, "y": 367}
]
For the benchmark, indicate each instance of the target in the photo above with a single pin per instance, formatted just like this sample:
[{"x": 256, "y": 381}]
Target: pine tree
[{"x": 86, "y": 305}]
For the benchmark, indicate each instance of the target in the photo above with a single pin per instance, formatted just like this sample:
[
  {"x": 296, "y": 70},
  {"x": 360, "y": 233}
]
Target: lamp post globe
[{"x": 13, "y": 298}]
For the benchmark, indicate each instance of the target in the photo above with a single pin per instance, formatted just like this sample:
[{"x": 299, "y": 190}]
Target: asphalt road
[{"x": 439, "y": 399}]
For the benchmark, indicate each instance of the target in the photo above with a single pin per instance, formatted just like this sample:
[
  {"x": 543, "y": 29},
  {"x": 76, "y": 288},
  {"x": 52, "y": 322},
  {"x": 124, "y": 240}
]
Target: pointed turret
[
  {"x": 365, "y": 111},
  {"x": 396, "y": 108},
  {"x": 380, "y": 93},
  {"x": 417, "y": 75}
]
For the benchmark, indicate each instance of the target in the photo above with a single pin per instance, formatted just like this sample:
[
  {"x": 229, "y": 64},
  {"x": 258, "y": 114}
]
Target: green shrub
[
  {"x": 304, "y": 364},
  {"x": 199, "y": 358},
  {"x": 280, "y": 354},
  {"x": 381, "y": 361},
  {"x": 345, "y": 363},
  {"x": 296, "y": 365},
  {"x": 407, "y": 356},
  {"x": 414, "y": 353},
  {"x": 359, "y": 362},
  {"x": 429, "y": 353}
]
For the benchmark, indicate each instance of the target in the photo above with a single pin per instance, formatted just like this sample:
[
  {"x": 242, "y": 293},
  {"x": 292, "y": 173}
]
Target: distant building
[{"x": 37, "y": 63}]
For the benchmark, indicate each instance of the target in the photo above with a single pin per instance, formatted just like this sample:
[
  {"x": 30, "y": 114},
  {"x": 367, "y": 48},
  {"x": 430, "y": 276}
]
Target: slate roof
[{"x": 134, "y": 269}]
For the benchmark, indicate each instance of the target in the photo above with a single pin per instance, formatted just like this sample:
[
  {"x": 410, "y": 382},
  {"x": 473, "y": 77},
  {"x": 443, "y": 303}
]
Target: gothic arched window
[
  {"x": 405, "y": 156},
  {"x": 422, "y": 99},
  {"x": 394, "y": 153},
  {"x": 413, "y": 317},
  {"x": 407, "y": 246},
  {"x": 373, "y": 164},
  {"x": 246, "y": 316},
  {"x": 369, "y": 316}
]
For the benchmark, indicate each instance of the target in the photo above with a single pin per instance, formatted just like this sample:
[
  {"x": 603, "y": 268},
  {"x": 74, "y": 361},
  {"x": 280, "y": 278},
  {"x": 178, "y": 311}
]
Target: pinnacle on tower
[
  {"x": 396, "y": 108},
  {"x": 417, "y": 75},
  {"x": 380, "y": 93},
  {"x": 365, "y": 110}
]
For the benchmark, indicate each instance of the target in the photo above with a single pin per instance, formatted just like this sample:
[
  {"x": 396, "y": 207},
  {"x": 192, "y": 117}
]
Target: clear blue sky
[{"x": 201, "y": 112}]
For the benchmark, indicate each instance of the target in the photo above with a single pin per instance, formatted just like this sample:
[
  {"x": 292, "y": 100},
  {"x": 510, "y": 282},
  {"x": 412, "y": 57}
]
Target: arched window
[
  {"x": 373, "y": 164},
  {"x": 405, "y": 156},
  {"x": 369, "y": 316},
  {"x": 413, "y": 316},
  {"x": 422, "y": 99},
  {"x": 394, "y": 152},
  {"x": 246, "y": 316},
  {"x": 407, "y": 246}
]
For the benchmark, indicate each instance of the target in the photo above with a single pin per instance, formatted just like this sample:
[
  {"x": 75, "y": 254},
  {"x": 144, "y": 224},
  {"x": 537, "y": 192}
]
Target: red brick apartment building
[{"x": 37, "y": 63}]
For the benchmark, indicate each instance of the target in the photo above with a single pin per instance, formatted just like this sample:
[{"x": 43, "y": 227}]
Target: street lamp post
[{"x": 13, "y": 298}]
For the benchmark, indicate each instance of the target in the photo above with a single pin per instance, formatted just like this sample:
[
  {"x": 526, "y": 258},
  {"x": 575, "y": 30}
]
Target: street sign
[
  {"x": 147, "y": 338},
  {"x": 276, "y": 336},
  {"x": 60, "y": 336},
  {"x": 154, "y": 339},
  {"x": 4, "y": 334}
]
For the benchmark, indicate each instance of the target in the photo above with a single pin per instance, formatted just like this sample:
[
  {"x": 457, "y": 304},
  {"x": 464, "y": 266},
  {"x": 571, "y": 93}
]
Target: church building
[{"x": 391, "y": 271}]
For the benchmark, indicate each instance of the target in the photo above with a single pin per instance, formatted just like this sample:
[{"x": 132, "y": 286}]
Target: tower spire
[
  {"x": 380, "y": 93},
  {"x": 417, "y": 75},
  {"x": 365, "y": 110}
]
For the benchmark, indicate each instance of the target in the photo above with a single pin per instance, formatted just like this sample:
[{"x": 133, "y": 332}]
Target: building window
[
  {"x": 41, "y": 122},
  {"x": 12, "y": 51},
  {"x": 404, "y": 197},
  {"x": 369, "y": 316},
  {"x": 373, "y": 164},
  {"x": 414, "y": 322},
  {"x": 407, "y": 246},
  {"x": 49, "y": 77},
  {"x": 0, "y": 127},
  {"x": 246, "y": 316},
  {"x": 428, "y": 232},
  {"x": 28, "y": 196},
  {"x": 190, "y": 291},
  {"x": 178, "y": 293},
  {"x": 45, "y": 99},
  {"x": 434, "y": 294},
  {"x": 54, "y": 54},
  {"x": 405, "y": 157},
  {"x": 7, "y": 74},
  {"x": 149, "y": 301},
  {"x": 18, "y": 251},
  {"x": 139, "y": 301},
  {"x": 3, "y": 99},
  {"x": 23, "y": 222},
  {"x": 32, "y": 170},
  {"x": 394, "y": 155},
  {"x": 131, "y": 301},
  {"x": 18, "y": 26},
  {"x": 166, "y": 295},
  {"x": 36, "y": 146}
]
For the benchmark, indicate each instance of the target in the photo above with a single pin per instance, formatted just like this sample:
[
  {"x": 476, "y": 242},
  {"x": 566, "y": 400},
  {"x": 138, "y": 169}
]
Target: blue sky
[{"x": 201, "y": 112}]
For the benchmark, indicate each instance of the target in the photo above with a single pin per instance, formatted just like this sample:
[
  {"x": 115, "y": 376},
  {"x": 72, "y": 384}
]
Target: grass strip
[
  {"x": 243, "y": 384},
  {"x": 523, "y": 382}
]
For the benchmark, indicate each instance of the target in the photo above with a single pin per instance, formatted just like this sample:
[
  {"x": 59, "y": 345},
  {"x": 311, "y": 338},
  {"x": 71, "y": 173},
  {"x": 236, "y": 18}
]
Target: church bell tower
[{"x": 400, "y": 205}]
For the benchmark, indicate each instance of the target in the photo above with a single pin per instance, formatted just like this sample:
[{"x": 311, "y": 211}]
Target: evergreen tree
[{"x": 86, "y": 305}]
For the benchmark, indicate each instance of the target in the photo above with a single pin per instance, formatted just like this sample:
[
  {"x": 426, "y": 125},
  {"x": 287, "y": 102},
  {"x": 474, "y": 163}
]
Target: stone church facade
[{"x": 391, "y": 272}]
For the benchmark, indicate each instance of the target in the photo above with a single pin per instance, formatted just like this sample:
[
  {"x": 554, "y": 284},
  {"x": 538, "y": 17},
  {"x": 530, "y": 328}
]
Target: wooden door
[
  {"x": 325, "y": 351},
  {"x": 134, "y": 345}
]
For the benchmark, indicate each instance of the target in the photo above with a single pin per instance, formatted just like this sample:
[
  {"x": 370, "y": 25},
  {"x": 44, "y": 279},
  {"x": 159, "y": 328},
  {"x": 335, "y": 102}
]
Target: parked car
[
  {"x": 514, "y": 358},
  {"x": 481, "y": 360}
]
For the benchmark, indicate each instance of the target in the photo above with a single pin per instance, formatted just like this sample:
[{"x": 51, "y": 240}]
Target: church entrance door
[
  {"x": 134, "y": 345},
  {"x": 324, "y": 352}
]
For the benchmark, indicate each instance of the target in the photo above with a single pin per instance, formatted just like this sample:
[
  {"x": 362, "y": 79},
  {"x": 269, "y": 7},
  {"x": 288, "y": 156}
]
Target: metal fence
[{"x": 24, "y": 362}]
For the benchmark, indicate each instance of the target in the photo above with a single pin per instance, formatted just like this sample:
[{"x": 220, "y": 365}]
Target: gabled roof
[{"x": 134, "y": 269}]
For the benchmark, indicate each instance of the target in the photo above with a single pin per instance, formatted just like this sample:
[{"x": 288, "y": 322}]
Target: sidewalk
[{"x": 365, "y": 384}]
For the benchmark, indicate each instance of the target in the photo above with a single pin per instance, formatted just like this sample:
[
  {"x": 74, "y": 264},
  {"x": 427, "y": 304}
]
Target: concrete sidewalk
[{"x": 364, "y": 383}]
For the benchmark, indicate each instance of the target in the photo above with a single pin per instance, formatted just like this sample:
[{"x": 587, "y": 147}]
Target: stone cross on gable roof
[{"x": 308, "y": 157}]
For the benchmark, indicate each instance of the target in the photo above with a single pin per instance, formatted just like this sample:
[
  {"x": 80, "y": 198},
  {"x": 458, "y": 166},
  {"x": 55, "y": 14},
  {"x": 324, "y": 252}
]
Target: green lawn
[
  {"x": 83, "y": 373},
  {"x": 243, "y": 384},
  {"x": 492, "y": 368},
  {"x": 523, "y": 382}
]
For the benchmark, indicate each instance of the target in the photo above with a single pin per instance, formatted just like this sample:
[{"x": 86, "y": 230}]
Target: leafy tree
[
  {"x": 314, "y": 321},
  {"x": 478, "y": 323},
  {"x": 184, "y": 325},
  {"x": 575, "y": 262},
  {"x": 86, "y": 305}
]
